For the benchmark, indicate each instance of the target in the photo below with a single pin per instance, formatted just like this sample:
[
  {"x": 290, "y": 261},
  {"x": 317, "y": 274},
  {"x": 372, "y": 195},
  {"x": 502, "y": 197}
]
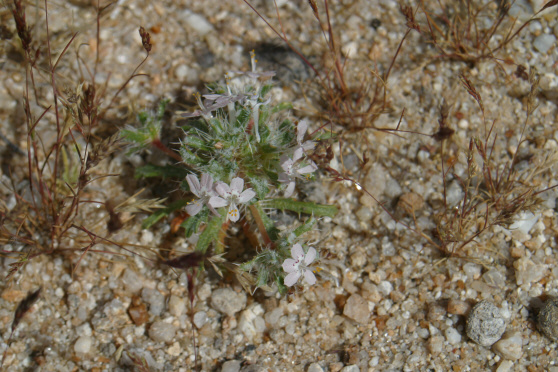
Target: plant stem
[
  {"x": 158, "y": 144},
  {"x": 261, "y": 226}
]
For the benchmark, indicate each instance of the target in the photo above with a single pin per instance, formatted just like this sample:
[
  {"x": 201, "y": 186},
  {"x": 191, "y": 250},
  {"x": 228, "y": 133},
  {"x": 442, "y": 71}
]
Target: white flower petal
[
  {"x": 308, "y": 145},
  {"x": 194, "y": 184},
  {"x": 296, "y": 252},
  {"x": 297, "y": 154},
  {"x": 234, "y": 214},
  {"x": 290, "y": 265},
  {"x": 310, "y": 256},
  {"x": 237, "y": 184},
  {"x": 286, "y": 163},
  {"x": 292, "y": 278},
  {"x": 283, "y": 178},
  {"x": 290, "y": 189},
  {"x": 301, "y": 130},
  {"x": 194, "y": 207},
  {"x": 309, "y": 277},
  {"x": 223, "y": 189},
  {"x": 217, "y": 202},
  {"x": 246, "y": 195},
  {"x": 212, "y": 209},
  {"x": 206, "y": 181},
  {"x": 307, "y": 169}
]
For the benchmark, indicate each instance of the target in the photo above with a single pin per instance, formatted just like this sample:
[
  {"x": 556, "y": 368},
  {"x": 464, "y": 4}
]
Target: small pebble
[
  {"x": 544, "y": 42},
  {"x": 385, "y": 287},
  {"x": 254, "y": 368},
  {"x": 435, "y": 344},
  {"x": 485, "y": 324},
  {"x": 83, "y": 345},
  {"x": 458, "y": 307},
  {"x": 526, "y": 271},
  {"x": 315, "y": 367},
  {"x": 227, "y": 301},
  {"x": 453, "y": 336},
  {"x": 549, "y": 86},
  {"x": 138, "y": 311},
  {"x": 200, "y": 318},
  {"x": 155, "y": 300},
  {"x": 162, "y": 332},
  {"x": 509, "y": 346},
  {"x": 131, "y": 281},
  {"x": 548, "y": 319},
  {"x": 231, "y": 366},
  {"x": 472, "y": 270},
  {"x": 197, "y": 22},
  {"x": 273, "y": 316},
  {"x": 505, "y": 366},
  {"x": 177, "y": 305},
  {"x": 411, "y": 203},
  {"x": 356, "y": 308},
  {"x": 352, "y": 368}
]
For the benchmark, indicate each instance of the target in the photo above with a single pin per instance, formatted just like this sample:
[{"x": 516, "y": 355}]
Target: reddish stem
[{"x": 158, "y": 144}]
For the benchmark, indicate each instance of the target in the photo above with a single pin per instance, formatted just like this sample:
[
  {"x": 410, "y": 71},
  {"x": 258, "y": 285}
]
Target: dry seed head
[
  {"x": 410, "y": 17},
  {"x": 145, "y": 39},
  {"x": 471, "y": 90},
  {"x": 314, "y": 7},
  {"x": 23, "y": 30}
]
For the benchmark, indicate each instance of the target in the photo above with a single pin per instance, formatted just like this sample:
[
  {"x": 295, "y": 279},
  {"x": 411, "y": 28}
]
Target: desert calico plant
[{"x": 240, "y": 157}]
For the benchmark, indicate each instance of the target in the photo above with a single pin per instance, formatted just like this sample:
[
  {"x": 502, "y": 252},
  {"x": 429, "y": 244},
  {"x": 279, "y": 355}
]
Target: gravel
[
  {"x": 228, "y": 301},
  {"x": 131, "y": 281},
  {"x": 231, "y": 366},
  {"x": 509, "y": 346},
  {"x": 200, "y": 319},
  {"x": 83, "y": 345},
  {"x": 177, "y": 305},
  {"x": 162, "y": 332},
  {"x": 314, "y": 367},
  {"x": 547, "y": 319},
  {"x": 350, "y": 369},
  {"x": 155, "y": 300},
  {"x": 544, "y": 42},
  {"x": 356, "y": 308},
  {"x": 485, "y": 324},
  {"x": 453, "y": 336}
]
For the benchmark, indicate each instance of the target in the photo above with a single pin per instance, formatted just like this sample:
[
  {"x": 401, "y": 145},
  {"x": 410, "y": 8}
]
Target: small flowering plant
[{"x": 240, "y": 155}]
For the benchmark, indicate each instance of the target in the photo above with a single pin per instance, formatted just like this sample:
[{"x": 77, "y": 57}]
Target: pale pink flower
[
  {"x": 292, "y": 170},
  {"x": 212, "y": 103},
  {"x": 301, "y": 131},
  {"x": 203, "y": 190},
  {"x": 297, "y": 266},
  {"x": 231, "y": 196}
]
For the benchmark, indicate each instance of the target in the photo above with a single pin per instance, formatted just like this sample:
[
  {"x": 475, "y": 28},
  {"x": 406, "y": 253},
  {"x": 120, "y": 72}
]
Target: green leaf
[
  {"x": 211, "y": 232},
  {"x": 282, "y": 106},
  {"x": 161, "y": 109},
  {"x": 192, "y": 224},
  {"x": 167, "y": 171},
  {"x": 265, "y": 89},
  {"x": 315, "y": 209},
  {"x": 269, "y": 226},
  {"x": 161, "y": 213},
  {"x": 195, "y": 142},
  {"x": 243, "y": 118},
  {"x": 281, "y": 285},
  {"x": 325, "y": 135},
  {"x": 304, "y": 228}
]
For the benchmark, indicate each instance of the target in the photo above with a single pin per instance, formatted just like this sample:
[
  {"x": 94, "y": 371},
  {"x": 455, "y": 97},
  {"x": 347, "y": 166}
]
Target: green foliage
[
  {"x": 245, "y": 152},
  {"x": 140, "y": 138}
]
